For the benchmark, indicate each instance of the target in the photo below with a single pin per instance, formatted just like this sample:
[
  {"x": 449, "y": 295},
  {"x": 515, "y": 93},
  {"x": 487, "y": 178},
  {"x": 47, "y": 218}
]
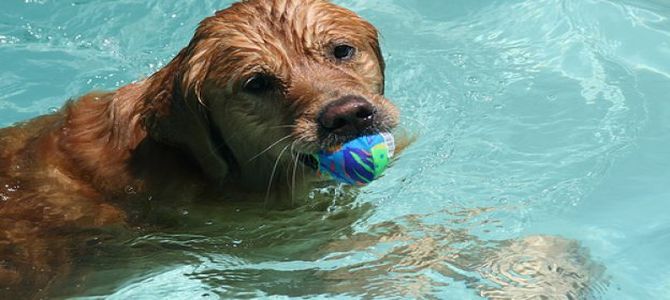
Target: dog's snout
[{"x": 347, "y": 115}]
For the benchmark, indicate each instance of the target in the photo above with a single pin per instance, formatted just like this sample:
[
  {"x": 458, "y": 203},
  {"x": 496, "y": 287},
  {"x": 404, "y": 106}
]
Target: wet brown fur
[{"x": 89, "y": 165}]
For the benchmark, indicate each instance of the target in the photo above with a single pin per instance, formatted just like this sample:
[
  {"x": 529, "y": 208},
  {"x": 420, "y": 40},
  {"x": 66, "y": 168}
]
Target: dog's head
[{"x": 267, "y": 80}]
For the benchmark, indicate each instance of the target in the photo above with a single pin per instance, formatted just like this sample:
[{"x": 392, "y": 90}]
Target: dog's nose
[{"x": 347, "y": 115}]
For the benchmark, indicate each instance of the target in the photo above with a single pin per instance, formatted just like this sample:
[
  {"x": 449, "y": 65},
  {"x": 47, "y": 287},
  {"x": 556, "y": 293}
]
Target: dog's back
[
  {"x": 43, "y": 209},
  {"x": 23, "y": 258}
]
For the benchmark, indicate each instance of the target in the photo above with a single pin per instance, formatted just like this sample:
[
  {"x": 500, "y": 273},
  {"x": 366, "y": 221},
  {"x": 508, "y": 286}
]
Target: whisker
[
  {"x": 269, "y": 147},
  {"x": 272, "y": 175},
  {"x": 296, "y": 143},
  {"x": 284, "y": 126},
  {"x": 295, "y": 167}
]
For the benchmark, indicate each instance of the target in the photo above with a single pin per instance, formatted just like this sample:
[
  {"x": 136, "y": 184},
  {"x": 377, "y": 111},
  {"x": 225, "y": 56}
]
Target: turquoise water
[{"x": 536, "y": 118}]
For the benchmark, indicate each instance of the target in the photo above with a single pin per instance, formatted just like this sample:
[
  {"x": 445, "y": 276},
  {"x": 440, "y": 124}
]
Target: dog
[{"x": 235, "y": 115}]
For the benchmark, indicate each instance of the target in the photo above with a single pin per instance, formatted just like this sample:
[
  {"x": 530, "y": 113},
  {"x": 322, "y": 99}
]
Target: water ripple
[{"x": 522, "y": 107}]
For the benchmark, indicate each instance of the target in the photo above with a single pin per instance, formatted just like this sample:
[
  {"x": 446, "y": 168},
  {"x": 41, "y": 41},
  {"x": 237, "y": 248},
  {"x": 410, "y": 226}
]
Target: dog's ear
[{"x": 177, "y": 113}]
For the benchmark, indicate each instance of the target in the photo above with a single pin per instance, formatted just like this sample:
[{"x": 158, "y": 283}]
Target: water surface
[{"x": 541, "y": 166}]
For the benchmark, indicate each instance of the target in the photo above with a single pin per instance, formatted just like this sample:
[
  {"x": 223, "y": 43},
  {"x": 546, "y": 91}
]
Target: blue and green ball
[{"x": 358, "y": 162}]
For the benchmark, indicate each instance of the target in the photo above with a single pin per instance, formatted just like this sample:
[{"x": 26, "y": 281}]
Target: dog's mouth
[
  {"x": 325, "y": 141},
  {"x": 310, "y": 159}
]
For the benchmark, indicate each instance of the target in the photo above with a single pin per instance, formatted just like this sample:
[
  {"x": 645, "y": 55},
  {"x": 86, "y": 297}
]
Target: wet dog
[{"x": 260, "y": 85}]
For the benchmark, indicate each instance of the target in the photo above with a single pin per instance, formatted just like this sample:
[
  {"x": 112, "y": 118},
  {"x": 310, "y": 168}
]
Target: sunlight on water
[{"x": 540, "y": 169}]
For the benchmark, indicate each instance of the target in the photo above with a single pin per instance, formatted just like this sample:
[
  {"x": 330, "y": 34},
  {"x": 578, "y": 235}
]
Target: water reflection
[{"x": 249, "y": 251}]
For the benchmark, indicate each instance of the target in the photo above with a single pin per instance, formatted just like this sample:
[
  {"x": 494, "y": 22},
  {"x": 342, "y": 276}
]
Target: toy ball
[{"x": 359, "y": 161}]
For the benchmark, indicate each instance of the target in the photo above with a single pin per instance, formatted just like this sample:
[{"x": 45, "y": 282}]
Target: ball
[{"x": 359, "y": 161}]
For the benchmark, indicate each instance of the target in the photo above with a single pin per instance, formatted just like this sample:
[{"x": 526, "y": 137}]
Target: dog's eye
[
  {"x": 258, "y": 83},
  {"x": 343, "y": 52}
]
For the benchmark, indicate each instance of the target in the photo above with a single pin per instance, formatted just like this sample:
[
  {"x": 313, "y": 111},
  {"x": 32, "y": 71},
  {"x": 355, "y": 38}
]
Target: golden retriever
[{"x": 261, "y": 84}]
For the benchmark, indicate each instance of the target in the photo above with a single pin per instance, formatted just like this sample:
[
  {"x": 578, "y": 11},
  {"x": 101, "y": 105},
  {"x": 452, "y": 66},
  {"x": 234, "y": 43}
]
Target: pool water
[{"x": 541, "y": 167}]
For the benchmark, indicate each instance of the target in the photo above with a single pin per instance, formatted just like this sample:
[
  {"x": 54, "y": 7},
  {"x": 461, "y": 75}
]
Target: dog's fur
[{"x": 188, "y": 131}]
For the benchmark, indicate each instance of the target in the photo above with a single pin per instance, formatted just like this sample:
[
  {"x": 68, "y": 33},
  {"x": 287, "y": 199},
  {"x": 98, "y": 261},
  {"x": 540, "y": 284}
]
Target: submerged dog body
[{"x": 260, "y": 85}]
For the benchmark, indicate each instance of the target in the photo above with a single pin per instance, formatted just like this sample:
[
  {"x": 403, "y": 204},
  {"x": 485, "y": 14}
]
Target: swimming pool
[{"x": 535, "y": 118}]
